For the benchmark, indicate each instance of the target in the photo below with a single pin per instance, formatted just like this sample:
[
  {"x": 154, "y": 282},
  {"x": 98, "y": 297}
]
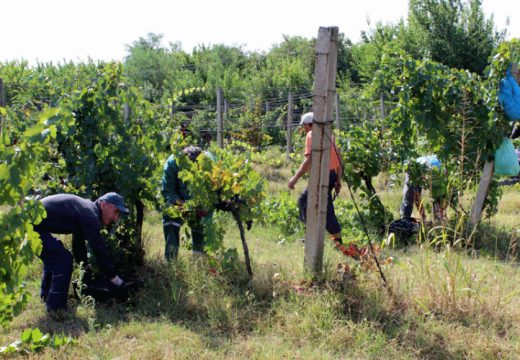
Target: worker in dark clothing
[{"x": 71, "y": 214}]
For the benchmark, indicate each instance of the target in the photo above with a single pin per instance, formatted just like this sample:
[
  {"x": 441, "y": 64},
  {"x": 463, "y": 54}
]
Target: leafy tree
[
  {"x": 366, "y": 56},
  {"x": 150, "y": 66},
  {"x": 453, "y": 32}
]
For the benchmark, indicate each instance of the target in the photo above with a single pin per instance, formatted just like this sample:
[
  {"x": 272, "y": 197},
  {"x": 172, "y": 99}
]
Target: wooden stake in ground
[
  {"x": 483, "y": 188},
  {"x": 2, "y": 104},
  {"x": 336, "y": 111},
  {"x": 220, "y": 125},
  {"x": 323, "y": 102},
  {"x": 289, "y": 126}
]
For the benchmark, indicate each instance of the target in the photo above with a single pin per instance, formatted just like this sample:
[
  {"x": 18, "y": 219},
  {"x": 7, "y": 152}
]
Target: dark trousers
[
  {"x": 172, "y": 227},
  {"x": 410, "y": 195},
  {"x": 57, "y": 271},
  {"x": 332, "y": 224}
]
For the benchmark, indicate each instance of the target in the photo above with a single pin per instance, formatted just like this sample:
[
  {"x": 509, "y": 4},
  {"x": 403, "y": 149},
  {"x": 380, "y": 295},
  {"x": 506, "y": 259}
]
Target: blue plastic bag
[
  {"x": 506, "y": 161},
  {"x": 509, "y": 96}
]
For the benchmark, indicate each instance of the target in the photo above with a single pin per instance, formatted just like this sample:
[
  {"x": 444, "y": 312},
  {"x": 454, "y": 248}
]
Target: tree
[
  {"x": 149, "y": 65},
  {"x": 453, "y": 32}
]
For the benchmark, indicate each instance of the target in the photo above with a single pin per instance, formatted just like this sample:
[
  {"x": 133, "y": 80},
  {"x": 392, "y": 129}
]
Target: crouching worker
[
  {"x": 71, "y": 214},
  {"x": 175, "y": 192},
  {"x": 412, "y": 190},
  {"x": 332, "y": 225}
]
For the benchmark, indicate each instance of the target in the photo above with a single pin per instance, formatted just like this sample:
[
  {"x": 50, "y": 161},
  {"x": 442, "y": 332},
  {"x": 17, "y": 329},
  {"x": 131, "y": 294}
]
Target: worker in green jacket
[{"x": 175, "y": 192}]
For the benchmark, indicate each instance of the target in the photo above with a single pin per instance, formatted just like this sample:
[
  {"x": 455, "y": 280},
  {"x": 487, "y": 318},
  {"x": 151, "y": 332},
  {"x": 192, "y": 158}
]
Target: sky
[{"x": 64, "y": 30}]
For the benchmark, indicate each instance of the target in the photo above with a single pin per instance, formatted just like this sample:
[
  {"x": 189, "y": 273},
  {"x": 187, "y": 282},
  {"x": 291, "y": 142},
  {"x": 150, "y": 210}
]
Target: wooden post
[
  {"x": 225, "y": 117},
  {"x": 220, "y": 139},
  {"x": 323, "y": 102},
  {"x": 289, "y": 125},
  {"x": 382, "y": 106},
  {"x": 336, "y": 110},
  {"x": 267, "y": 107},
  {"x": 127, "y": 113},
  {"x": 483, "y": 188},
  {"x": 2, "y": 104}
]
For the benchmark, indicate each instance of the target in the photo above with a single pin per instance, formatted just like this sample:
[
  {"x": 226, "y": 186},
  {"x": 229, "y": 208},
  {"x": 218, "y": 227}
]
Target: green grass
[{"x": 444, "y": 304}]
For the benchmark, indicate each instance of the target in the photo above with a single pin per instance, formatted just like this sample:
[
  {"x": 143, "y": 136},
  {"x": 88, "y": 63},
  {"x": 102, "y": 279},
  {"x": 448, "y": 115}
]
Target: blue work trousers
[
  {"x": 332, "y": 224},
  {"x": 171, "y": 228},
  {"x": 411, "y": 196},
  {"x": 57, "y": 271}
]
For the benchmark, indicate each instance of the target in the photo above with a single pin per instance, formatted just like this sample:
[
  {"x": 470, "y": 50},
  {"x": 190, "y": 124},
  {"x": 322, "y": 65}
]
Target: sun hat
[{"x": 307, "y": 118}]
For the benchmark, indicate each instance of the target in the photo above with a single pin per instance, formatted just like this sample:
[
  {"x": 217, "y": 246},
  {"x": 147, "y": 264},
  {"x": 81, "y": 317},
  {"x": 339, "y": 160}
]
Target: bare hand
[
  {"x": 292, "y": 182},
  {"x": 337, "y": 187}
]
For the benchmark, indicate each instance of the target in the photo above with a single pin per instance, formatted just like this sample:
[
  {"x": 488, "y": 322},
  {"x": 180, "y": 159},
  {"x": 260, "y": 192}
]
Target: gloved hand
[
  {"x": 249, "y": 224},
  {"x": 117, "y": 281}
]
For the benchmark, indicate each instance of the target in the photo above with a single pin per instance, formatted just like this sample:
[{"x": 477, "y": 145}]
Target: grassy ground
[{"x": 443, "y": 304}]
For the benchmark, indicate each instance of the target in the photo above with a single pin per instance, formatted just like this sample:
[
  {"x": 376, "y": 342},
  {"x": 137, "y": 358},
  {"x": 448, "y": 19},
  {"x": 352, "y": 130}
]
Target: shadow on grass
[
  {"x": 398, "y": 322},
  {"x": 500, "y": 243},
  {"x": 215, "y": 303},
  {"x": 67, "y": 323},
  {"x": 488, "y": 241}
]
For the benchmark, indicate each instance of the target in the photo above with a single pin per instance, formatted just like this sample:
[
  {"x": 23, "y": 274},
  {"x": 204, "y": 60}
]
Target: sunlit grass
[{"x": 443, "y": 303}]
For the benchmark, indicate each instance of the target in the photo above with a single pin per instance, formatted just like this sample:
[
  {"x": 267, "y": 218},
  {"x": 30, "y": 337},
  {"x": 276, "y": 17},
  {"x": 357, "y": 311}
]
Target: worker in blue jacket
[{"x": 71, "y": 214}]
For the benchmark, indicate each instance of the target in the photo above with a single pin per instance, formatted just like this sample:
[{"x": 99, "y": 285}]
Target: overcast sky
[{"x": 58, "y": 30}]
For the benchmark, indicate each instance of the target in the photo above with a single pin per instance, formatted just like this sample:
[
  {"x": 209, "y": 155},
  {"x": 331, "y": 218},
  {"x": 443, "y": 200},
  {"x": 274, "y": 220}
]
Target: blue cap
[{"x": 115, "y": 199}]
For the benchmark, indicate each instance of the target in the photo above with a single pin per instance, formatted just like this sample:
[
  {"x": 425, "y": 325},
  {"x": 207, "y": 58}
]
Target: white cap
[{"x": 307, "y": 118}]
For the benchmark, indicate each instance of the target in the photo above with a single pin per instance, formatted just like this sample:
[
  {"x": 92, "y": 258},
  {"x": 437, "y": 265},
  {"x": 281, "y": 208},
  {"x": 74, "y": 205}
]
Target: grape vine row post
[
  {"x": 336, "y": 111},
  {"x": 289, "y": 125},
  {"x": 382, "y": 106},
  {"x": 220, "y": 139},
  {"x": 483, "y": 188},
  {"x": 2, "y": 104},
  {"x": 323, "y": 102},
  {"x": 225, "y": 113}
]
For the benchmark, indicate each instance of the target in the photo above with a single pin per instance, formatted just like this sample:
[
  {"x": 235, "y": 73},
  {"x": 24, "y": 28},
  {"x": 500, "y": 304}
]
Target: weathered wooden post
[
  {"x": 220, "y": 139},
  {"x": 483, "y": 188},
  {"x": 336, "y": 110},
  {"x": 225, "y": 114},
  {"x": 382, "y": 106},
  {"x": 127, "y": 112},
  {"x": 172, "y": 110},
  {"x": 323, "y": 102},
  {"x": 289, "y": 126},
  {"x": 2, "y": 104}
]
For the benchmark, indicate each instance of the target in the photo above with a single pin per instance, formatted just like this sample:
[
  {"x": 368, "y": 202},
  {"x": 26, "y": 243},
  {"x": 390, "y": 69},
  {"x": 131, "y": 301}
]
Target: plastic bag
[
  {"x": 506, "y": 161},
  {"x": 509, "y": 96}
]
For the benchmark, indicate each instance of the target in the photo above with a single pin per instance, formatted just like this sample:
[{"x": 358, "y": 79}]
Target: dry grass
[{"x": 444, "y": 304}]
